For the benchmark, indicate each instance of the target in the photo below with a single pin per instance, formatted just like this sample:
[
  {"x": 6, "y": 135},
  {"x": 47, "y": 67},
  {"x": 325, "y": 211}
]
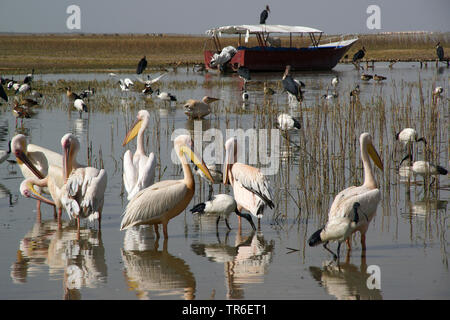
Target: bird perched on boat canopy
[
  {"x": 439, "y": 51},
  {"x": 287, "y": 122},
  {"x": 291, "y": 85},
  {"x": 341, "y": 217},
  {"x": 198, "y": 109},
  {"x": 166, "y": 199},
  {"x": 264, "y": 15},
  {"x": 221, "y": 205},
  {"x": 359, "y": 54},
  {"x": 141, "y": 65}
]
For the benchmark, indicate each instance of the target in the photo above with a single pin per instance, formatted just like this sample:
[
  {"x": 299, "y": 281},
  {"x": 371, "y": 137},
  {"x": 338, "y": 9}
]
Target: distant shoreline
[{"x": 74, "y": 52}]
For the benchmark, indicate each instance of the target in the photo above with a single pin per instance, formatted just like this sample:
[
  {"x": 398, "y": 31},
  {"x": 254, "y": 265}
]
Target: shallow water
[{"x": 407, "y": 240}]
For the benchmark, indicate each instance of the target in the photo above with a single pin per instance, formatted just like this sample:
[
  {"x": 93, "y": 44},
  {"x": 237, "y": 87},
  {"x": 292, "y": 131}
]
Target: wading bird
[
  {"x": 23, "y": 88},
  {"x": 291, "y": 85},
  {"x": 29, "y": 103},
  {"x": 340, "y": 225},
  {"x": 125, "y": 84},
  {"x": 287, "y": 122},
  {"x": 138, "y": 168},
  {"x": 165, "y": 96},
  {"x": 71, "y": 95},
  {"x": 425, "y": 169},
  {"x": 141, "y": 65},
  {"x": 198, "y": 109},
  {"x": 84, "y": 188},
  {"x": 250, "y": 187},
  {"x": 222, "y": 205},
  {"x": 29, "y": 77},
  {"x": 264, "y": 15},
  {"x": 439, "y": 51},
  {"x": 164, "y": 200},
  {"x": 80, "y": 106},
  {"x": 87, "y": 93},
  {"x": 150, "y": 81},
  {"x": 407, "y": 136}
]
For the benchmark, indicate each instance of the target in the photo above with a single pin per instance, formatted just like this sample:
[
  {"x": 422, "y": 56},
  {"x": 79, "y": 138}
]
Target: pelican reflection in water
[{"x": 153, "y": 272}]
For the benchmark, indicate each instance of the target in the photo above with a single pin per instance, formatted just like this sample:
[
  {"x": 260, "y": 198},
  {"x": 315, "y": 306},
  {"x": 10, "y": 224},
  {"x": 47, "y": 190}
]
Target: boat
[{"x": 269, "y": 55}]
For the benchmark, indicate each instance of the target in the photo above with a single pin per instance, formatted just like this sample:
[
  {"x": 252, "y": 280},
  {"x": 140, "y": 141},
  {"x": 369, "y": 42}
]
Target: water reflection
[
  {"x": 80, "y": 256},
  {"x": 245, "y": 262},
  {"x": 346, "y": 281},
  {"x": 149, "y": 271}
]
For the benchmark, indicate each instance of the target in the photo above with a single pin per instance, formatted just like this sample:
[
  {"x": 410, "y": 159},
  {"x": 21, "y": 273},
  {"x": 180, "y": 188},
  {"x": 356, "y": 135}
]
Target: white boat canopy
[{"x": 259, "y": 28}]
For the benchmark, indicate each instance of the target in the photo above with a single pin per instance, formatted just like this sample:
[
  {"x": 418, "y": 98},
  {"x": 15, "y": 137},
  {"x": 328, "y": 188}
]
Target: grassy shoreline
[{"x": 56, "y": 53}]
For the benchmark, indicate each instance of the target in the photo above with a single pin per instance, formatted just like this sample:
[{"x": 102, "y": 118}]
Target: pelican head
[
  {"x": 28, "y": 191},
  {"x": 70, "y": 146},
  {"x": 141, "y": 121},
  {"x": 19, "y": 149},
  {"x": 184, "y": 146},
  {"x": 230, "y": 157},
  {"x": 208, "y": 99},
  {"x": 366, "y": 144}
]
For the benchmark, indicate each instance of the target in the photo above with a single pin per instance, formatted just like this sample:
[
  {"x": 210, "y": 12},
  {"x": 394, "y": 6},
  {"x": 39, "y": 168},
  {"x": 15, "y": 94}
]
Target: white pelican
[
  {"x": 165, "y": 200},
  {"x": 222, "y": 205},
  {"x": 80, "y": 106},
  {"x": 196, "y": 109},
  {"x": 138, "y": 169},
  {"x": 343, "y": 218},
  {"x": 291, "y": 85},
  {"x": 250, "y": 187},
  {"x": 84, "y": 189},
  {"x": 287, "y": 122}
]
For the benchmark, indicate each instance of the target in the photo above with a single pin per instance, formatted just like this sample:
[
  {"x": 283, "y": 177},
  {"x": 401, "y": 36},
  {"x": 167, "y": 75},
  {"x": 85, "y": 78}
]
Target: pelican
[
  {"x": 291, "y": 85},
  {"x": 264, "y": 15},
  {"x": 287, "y": 122},
  {"x": 138, "y": 169},
  {"x": 80, "y": 106},
  {"x": 379, "y": 78},
  {"x": 165, "y": 200},
  {"x": 439, "y": 51},
  {"x": 84, "y": 188},
  {"x": 250, "y": 187},
  {"x": 197, "y": 109},
  {"x": 141, "y": 65},
  {"x": 359, "y": 54},
  {"x": 222, "y": 205},
  {"x": 342, "y": 217}
]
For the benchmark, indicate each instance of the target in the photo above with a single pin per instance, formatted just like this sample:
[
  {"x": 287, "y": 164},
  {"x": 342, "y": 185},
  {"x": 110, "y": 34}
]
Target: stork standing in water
[
  {"x": 222, "y": 205},
  {"x": 138, "y": 169},
  {"x": 341, "y": 217},
  {"x": 407, "y": 136},
  {"x": 425, "y": 169},
  {"x": 440, "y": 51},
  {"x": 164, "y": 200},
  {"x": 250, "y": 187},
  {"x": 264, "y": 15},
  {"x": 141, "y": 65},
  {"x": 80, "y": 105},
  {"x": 291, "y": 85}
]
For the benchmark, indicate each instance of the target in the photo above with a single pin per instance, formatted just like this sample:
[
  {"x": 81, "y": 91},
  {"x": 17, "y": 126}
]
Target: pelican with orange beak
[
  {"x": 138, "y": 169},
  {"x": 251, "y": 189},
  {"x": 84, "y": 188},
  {"x": 344, "y": 218},
  {"x": 165, "y": 200}
]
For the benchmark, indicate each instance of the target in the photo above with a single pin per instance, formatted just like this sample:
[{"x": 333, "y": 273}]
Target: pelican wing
[
  {"x": 254, "y": 181},
  {"x": 129, "y": 172},
  {"x": 94, "y": 187},
  {"x": 151, "y": 202},
  {"x": 146, "y": 174}
]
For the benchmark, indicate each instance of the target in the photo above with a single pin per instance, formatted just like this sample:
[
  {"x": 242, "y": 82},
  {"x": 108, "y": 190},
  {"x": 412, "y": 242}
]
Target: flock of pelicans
[{"x": 79, "y": 189}]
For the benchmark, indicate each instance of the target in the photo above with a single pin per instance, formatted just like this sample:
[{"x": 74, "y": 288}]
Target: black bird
[
  {"x": 291, "y": 85},
  {"x": 264, "y": 15},
  {"x": 359, "y": 55},
  {"x": 141, "y": 65},
  {"x": 29, "y": 77},
  {"x": 3, "y": 93},
  {"x": 440, "y": 51}
]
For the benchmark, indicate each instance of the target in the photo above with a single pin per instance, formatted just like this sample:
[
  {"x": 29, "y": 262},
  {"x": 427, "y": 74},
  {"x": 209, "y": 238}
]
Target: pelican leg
[
  {"x": 349, "y": 244},
  {"x": 363, "y": 241},
  {"x": 328, "y": 249},
  {"x": 165, "y": 231},
  {"x": 155, "y": 226},
  {"x": 59, "y": 217}
]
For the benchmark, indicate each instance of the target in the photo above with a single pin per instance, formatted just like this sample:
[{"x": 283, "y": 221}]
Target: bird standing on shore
[
  {"x": 264, "y": 15},
  {"x": 439, "y": 51}
]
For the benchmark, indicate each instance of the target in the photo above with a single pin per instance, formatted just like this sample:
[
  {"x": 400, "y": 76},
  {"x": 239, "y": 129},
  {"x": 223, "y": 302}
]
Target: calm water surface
[{"x": 408, "y": 239}]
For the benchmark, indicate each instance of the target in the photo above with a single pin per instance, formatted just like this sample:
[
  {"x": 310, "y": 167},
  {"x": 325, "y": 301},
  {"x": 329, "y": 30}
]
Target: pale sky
[{"x": 196, "y": 16}]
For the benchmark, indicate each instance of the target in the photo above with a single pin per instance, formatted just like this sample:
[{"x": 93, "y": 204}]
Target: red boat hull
[{"x": 276, "y": 59}]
